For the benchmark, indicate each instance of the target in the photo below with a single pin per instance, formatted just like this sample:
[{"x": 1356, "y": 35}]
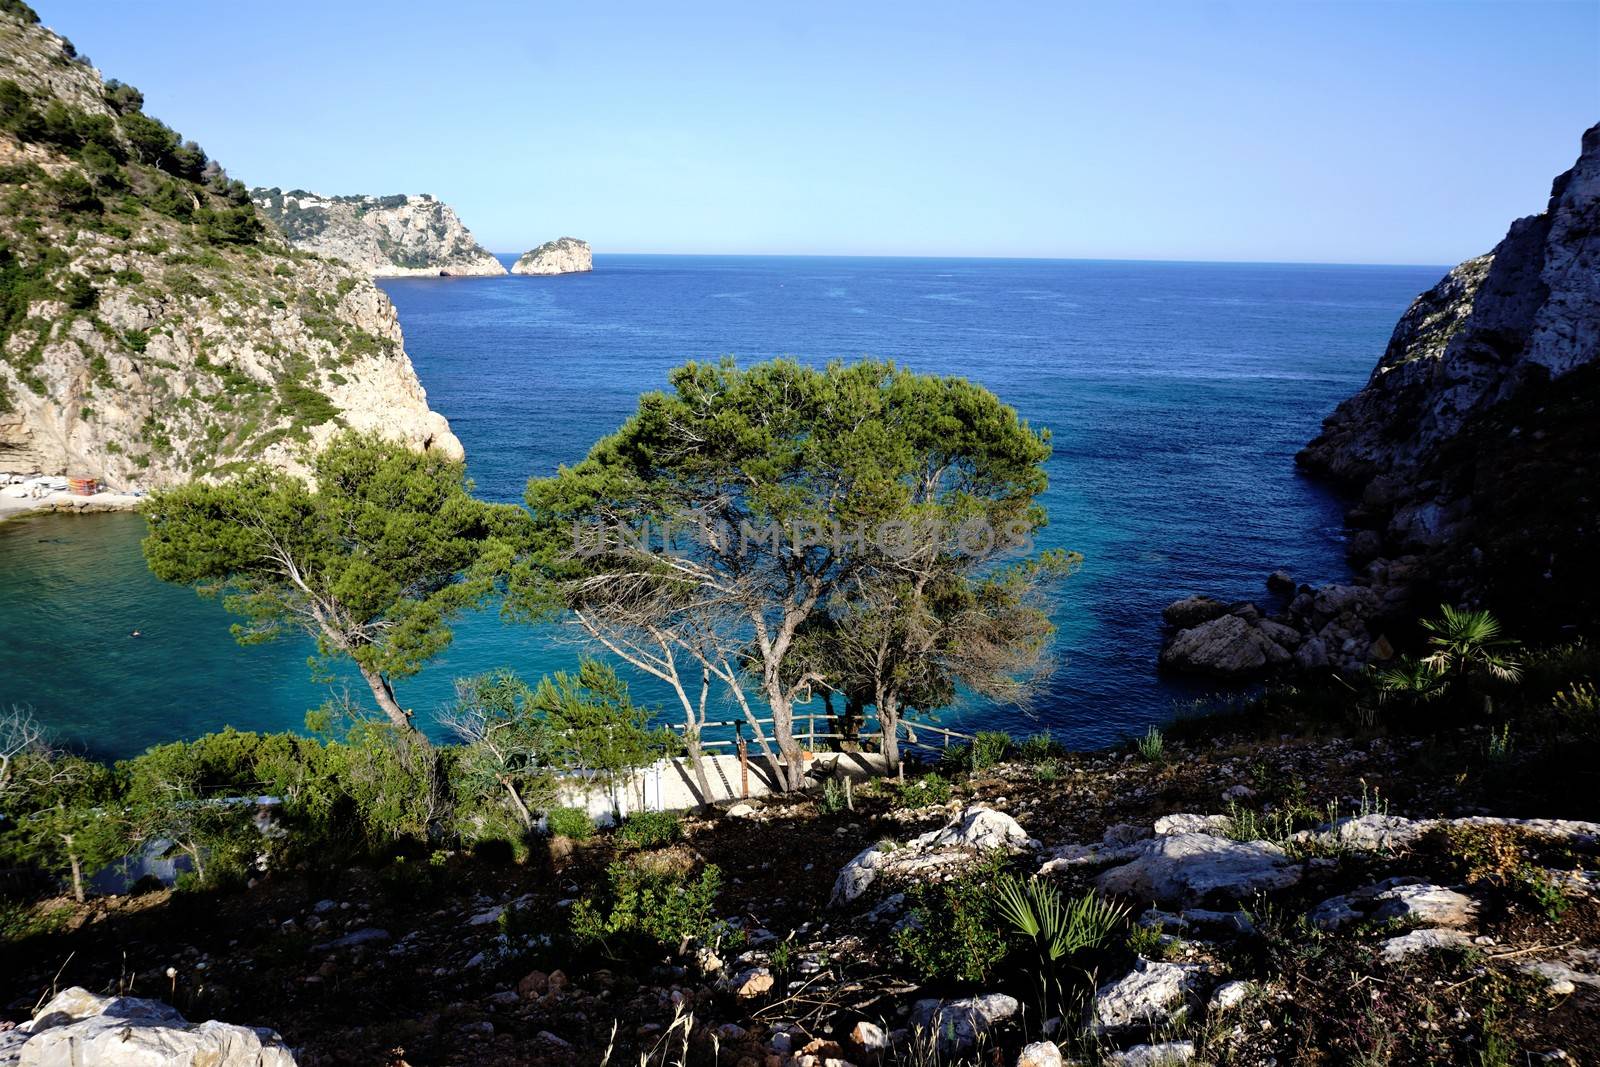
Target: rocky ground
[{"x": 1291, "y": 900}]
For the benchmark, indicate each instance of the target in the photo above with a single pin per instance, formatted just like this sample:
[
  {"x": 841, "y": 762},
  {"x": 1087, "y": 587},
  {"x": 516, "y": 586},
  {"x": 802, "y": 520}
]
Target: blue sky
[{"x": 1393, "y": 132}]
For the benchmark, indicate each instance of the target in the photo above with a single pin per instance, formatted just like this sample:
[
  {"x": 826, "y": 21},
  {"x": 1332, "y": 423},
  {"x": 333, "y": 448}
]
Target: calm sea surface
[{"x": 1177, "y": 394}]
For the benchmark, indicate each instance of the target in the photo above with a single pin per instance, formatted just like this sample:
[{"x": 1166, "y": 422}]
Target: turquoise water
[{"x": 1176, "y": 393}]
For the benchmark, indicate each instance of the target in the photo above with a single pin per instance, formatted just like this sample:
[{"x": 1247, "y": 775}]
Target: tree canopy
[
  {"x": 732, "y": 509},
  {"x": 374, "y": 558}
]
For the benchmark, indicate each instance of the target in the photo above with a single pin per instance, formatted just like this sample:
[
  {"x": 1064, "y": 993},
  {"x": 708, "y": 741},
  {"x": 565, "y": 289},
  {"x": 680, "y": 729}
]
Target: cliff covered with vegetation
[{"x": 152, "y": 329}]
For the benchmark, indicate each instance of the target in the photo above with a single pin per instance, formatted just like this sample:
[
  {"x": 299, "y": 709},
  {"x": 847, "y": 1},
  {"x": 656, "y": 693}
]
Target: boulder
[
  {"x": 1226, "y": 647},
  {"x": 978, "y": 829},
  {"x": 79, "y": 1029},
  {"x": 1189, "y": 868},
  {"x": 1427, "y": 905},
  {"x": 1041, "y": 1054},
  {"x": 958, "y": 1024},
  {"x": 1165, "y": 1054},
  {"x": 1426, "y": 940},
  {"x": 869, "y": 1039},
  {"x": 1148, "y": 996},
  {"x": 1229, "y": 995},
  {"x": 1281, "y": 583},
  {"x": 1191, "y": 611}
]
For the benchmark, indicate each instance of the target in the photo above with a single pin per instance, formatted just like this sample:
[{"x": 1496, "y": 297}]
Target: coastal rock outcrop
[
  {"x": 384, "y": 236},
  {"x": 564, "y": 255},
  {"x": 1473, "y": 450},
  {"x": 1473, "y": 446},
  {"x": 156, "y": 331}
]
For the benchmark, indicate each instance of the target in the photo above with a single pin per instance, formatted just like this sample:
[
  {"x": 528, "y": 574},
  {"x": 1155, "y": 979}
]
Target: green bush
[
  {"x": 989, "y": 748},
  {"x": 1152, "y": 746},
  {"x": 650, "y": 829},
  {"x": 1038, "y": 747},
  {"x": 927, "y": 790},
  {"x": 644, "y": 908},
  {"x": 954, "y": 930},
  {"x": 569, "y": 822}
]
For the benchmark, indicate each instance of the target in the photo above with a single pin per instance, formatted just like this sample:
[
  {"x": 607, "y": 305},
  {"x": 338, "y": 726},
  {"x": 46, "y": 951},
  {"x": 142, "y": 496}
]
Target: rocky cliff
[
  {"x": 386, "y": 236},
  {"x": 1474, "y": 450},
  {"x": 1474, "y": 445},
  {"x": 564, "y": 255},
  {"x": 152, "y": 329}
]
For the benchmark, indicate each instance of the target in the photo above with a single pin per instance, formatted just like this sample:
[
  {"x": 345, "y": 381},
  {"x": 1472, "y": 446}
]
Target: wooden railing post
[{"x": 744, "y": 760}]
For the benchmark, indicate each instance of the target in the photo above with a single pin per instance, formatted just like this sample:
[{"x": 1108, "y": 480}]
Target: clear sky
[{"x": 1392, "y": 132}]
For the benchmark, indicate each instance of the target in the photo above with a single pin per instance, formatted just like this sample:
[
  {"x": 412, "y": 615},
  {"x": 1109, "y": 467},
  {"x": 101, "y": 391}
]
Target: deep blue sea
[{"x": 1177, "y": 394}]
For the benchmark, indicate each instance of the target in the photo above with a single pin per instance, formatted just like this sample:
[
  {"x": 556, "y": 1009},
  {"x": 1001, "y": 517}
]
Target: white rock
[
  {"x": 1150, "y": 994},
  {"x": 1190, "y": 867},
  {"x": 1166, "y": 1054},
  {"x": 80, "y": 1029},
  {"x": 1041, "y": 1054},
  {"x": 1229, "y": 995},
  {"x": 869, "y": 1038},
  {"x": 958, "y": 1024},
  {"x": 1186, "y": 823},
  {"x": 1430, "y": 905},
  {"x": 1425, "y": 940},
  {"x": 1563, "y": 979},
  {"x": 978, "y": 829}
]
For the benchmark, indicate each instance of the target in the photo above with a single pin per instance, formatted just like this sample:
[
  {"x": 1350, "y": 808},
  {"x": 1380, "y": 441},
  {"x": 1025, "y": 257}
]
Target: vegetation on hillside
[{"x": 127, "y": 252}]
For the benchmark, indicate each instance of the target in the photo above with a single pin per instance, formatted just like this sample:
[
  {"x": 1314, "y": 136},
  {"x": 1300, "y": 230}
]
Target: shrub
[
  {"x": 1034, "y": 908},
  {"x": 645, "y": 907},
  {"x": 833, "y": 799},
  {"x": 929, "y": 789},
  {"x": 1152, "y": 746},
  {"x": 569, "y": 822},
  {"x": 954, "y": 930},
  {"x": 989, "y": 748},
  {"x": 1038, "y": 747},
  {"x": 650, "y": 829}
]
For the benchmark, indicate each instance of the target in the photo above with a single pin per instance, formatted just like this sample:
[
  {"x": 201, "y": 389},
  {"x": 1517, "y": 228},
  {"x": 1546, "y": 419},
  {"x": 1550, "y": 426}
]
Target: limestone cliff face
[
  {"x": 1527, "y": 312},
  {"x": 1475, "y": 444},
  {"x": 152, "y": 330},
  {"x": 1475, "y": 451},
  {"x": 564, "y": 255},
  {"x": 384, "y": 236}
]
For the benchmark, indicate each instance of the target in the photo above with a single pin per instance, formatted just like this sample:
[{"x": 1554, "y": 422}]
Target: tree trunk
[
  {"x": 383, "y": 693},
  {"x": 697, "y": 763},
  {"x": 889, "y": 720},
  {"x": 523, "y": 814},
  {"x": 77, "y": 876},
  {"x": 794, "y": 771}
]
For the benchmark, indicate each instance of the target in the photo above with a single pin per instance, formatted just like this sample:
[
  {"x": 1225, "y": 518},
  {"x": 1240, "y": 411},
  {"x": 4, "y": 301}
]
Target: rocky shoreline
[{"x": 1471, "y": 454}]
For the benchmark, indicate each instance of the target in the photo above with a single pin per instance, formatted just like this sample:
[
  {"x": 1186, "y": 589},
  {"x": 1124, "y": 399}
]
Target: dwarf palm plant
[
  {"x": 1411, "y": 681},
  {"x": 1058, "y": 929},
  {"x": 1469, "y": 646}
]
